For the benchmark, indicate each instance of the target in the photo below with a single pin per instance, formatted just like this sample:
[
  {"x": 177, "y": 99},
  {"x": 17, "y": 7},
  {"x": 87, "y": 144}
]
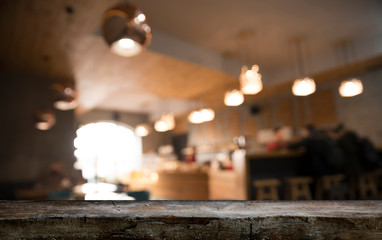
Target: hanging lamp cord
[{"x": 300, "y": 62}]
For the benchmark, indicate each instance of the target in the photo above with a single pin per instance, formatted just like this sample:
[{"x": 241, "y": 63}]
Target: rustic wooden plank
[{"x": 190, "y": 220}]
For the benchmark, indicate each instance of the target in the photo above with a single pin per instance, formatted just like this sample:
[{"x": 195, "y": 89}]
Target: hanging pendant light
[
  {"x": 233, "y": 98},
  {"x": 126, "y": 30},
  {"x": 142, "y": 130},
  {"x": 351, "y": 88},
  {"x": 64, "y": 96},
  {"x": 250, "y": 80},
  {"x": 201, "y": 115},
  {"x": 165, "y": 123},
  {"x": 302, "y": 86},
  {"x": 44, "y": 119}
]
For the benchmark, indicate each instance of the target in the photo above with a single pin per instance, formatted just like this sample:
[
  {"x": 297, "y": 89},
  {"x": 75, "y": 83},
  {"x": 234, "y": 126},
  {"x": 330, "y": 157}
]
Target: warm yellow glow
[
  {"x": 126, "y": 47},
  {"x": 43, "y": 126},
  {"x": 165, "y": 123},
  {"x": 201, "y": 115},
  {"x": 250, "y": 80},
  {"x": 107, "y": 150},
  {"x": 233, "y": 98},
  {"x": 303, "y": 87},
  {"x": 169, "y": 119},
  {"x": 141, "y": 17},
  {"x": 65, "y": 105},
  {"x": 160, "y": 126},
  {"x": 142, "y": 130},
  {"x": 154, "y": 177},
  {"x": 195, "y": 117},
  {"x": 351, "y": 88}
]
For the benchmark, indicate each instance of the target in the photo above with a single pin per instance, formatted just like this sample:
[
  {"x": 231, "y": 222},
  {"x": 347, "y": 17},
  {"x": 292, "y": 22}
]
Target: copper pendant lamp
[
  {"x": 125, "y": 29},
  {"x": 44, "y": 119}
]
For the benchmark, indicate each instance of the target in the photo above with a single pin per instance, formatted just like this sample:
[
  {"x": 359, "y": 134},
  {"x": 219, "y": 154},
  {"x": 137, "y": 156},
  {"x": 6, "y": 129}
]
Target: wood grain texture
[{"x": 190, "y": 220}]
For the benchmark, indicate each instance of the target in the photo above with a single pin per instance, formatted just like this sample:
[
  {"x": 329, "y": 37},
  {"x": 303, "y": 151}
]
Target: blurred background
[{"x": 100, "y": 101}]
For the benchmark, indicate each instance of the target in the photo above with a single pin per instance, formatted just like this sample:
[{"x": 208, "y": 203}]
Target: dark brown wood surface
[{"x": 190, "y": 220}]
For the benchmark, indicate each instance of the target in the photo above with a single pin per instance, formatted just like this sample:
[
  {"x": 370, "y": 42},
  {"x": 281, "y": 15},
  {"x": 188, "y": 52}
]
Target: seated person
[{"x": 278, "y": 142}]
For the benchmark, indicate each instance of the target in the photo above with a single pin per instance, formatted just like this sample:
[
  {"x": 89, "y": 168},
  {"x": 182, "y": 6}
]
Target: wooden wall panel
[
  {"x": 323, "y": 109},
  {"x": 284, "y": 112},
  {"x": 251, "y": 126},
  {"x": 267, "y": 111},
  {"x": 234, "y": 123}
]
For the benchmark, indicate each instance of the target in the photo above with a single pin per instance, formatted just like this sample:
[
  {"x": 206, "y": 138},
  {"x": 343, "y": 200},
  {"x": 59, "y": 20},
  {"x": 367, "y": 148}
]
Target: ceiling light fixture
[
  {"x": 233, "y": 98},
  {"x": 302, "y": 86},
  {"x": 250, "y": 79},
  {"x": 201, "y": 115},
  {"x": 126, "y": 30},
  {"x": 165, "y": 123},
  {"x": 44, "y": 119},
  {"x": 142, "y": 130},
  {"x": 353, "y": 86},
  {"x": 64, "y": 96}
]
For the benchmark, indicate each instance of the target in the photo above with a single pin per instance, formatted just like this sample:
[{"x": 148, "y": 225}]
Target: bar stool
[
  {"x": 330, "y": 187},
  {"x": 266, "y": 189},
  {"x": 297, "y": 188},
  {"x": 368, "y": 187}
]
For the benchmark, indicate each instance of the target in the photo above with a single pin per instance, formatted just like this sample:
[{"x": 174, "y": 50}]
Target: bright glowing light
[
  {"x": 141, "y": 17},
  {"x": 169, "y": 119},
  {"x": 165, "y": 123},
  {"x": 126, "y": 47},
  {"x": 65, "y": 105},
  {"x": 208, "y": 114},
  {"x": 142, "y": 130},
  {"x": 351, "y": 88},
  {"x": 201, "y": 115},
  {"x": 195, "y": 117},
  {"x": 107, "y": 150},
  {"x": 303, "y": 87},
  {"x": 250, "y": 80},
  {"x": 160, "y": 126},
  {"x": 43, "y": 126},
  {"x": 233, "y": 98}
]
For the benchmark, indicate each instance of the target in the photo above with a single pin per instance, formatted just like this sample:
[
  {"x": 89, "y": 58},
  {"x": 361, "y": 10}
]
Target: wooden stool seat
[
  {"x": 330, "y": 187},
  {"x": 297, "y": 188},
  {"x": 266, "y": 189}
]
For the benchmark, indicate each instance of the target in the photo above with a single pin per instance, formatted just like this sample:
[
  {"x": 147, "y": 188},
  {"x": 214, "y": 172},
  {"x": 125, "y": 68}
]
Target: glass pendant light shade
[
  {"x": 201, "y": 116},
  {"x": 165, "y": 123},
  {"x": 195, "y": 117},
  {"x": 44, "y": 119},
  {"x": 351, "y": 88},
  {"x": 250, "y": 80},
  {"x": 303, "y": 87},
  {"x": 142, "y": 130},
  {"x": 126, "y": 30},
  {"x": 233, "y": 98},
  {"x": 160, "y": 126},
  {"x": 64, "y": 96},
  {"x": 208, "y": 114}
]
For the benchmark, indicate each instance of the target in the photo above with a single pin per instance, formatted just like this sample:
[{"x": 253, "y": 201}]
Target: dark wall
[{"x": 25, "y": 152}]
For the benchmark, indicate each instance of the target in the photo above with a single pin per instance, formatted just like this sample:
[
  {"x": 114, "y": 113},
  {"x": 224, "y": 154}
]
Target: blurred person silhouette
[
  {"x": 317, "y": 150},
  {"x": 278, "y": 143}
]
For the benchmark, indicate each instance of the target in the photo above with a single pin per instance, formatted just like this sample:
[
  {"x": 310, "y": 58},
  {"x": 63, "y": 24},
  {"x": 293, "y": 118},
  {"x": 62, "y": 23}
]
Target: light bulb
[
  {"x": 351, "y": 88},
  {"x": 126, "y": 47},
  {"x": 303, "y": 87},
  {"x": 233, "y": 98},
  {"x": 250, "y": 80}
]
